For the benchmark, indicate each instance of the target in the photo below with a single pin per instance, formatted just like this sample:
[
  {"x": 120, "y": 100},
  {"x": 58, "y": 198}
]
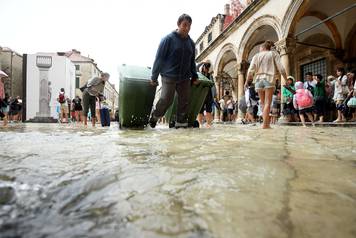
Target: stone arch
[
  {"x": 265, "y": 20},
  {"x": 289, "y": 21},
  {"x": 299, "y": 9},
  {"x": 330, "y": 25},
  {"x": 226, "y": 48},
  {"x": 263, "y": 33},
  {"x": 225, "y": 70}
]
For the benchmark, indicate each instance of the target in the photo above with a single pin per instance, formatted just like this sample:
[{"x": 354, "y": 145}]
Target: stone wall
[{"x": 11, "y": 63}]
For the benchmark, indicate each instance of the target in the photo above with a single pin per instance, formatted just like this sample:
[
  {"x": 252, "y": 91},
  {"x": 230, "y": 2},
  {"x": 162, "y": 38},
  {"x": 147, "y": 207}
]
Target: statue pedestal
[{"x": 39, "y": 119}]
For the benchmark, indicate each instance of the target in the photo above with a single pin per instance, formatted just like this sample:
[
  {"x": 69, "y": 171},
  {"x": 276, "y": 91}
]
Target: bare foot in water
[{"x": 266, "y": 127}]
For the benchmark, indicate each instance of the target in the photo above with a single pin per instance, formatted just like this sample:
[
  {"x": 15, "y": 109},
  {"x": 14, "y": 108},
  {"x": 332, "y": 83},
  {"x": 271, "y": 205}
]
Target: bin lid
[
  {"x": 204, "y": 81},
  {"x": 133, "y": 72}
]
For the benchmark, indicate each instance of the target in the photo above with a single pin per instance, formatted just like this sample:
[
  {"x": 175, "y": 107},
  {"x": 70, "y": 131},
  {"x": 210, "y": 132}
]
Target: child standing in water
[{"x": 303, "y": 102}]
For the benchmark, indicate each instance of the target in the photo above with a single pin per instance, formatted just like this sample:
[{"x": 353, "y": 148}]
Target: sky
[{"x": 112, "y": 32}]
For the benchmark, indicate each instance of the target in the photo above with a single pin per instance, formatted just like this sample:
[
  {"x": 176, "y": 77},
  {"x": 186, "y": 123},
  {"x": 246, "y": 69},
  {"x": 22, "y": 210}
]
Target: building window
[
  {"x": 316, "y": 67},
  {"x": 77, "y": 82},
  {"x": 77, "y": 67},
  {"x": 201, "y": 46},
  {"x": 210, "y": 37}
]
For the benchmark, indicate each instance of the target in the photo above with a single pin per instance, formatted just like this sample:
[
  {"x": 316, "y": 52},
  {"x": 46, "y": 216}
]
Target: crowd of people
[
  {"x": 313, "y": 98},
  {"x": 93, "y": 106},
  {"x": 330, "y": 99},
  {"x": 71, "y": 111}
]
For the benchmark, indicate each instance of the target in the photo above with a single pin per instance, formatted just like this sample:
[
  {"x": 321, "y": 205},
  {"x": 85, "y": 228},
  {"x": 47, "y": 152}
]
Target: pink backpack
[{"x": 303, "y": 98}]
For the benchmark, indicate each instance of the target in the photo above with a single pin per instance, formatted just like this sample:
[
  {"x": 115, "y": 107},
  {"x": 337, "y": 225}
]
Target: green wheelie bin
[
  {"x": 197, "y": 97},
  {"x": 136, "y": 96}
]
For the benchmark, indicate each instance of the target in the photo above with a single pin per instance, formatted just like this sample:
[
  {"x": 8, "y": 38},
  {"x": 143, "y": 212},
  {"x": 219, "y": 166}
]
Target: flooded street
[{"x": 228, "y": 181}]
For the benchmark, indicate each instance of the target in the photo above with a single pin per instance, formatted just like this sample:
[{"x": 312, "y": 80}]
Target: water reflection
[{"x": 230, "y": 181}]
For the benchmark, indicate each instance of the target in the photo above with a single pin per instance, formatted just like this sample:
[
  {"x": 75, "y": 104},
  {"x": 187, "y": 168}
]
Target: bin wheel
[
  {"x": 172, "y": 124},
  {"x": 195, "y": 124}
]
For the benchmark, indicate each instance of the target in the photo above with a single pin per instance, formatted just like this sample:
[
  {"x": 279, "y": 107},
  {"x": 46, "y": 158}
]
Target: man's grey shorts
[{"x": 263, "y": 84}]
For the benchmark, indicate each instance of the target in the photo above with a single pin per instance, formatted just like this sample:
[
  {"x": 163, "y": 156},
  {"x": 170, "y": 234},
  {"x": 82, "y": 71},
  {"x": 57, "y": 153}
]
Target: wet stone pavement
[{"x": 228, "y": 181}]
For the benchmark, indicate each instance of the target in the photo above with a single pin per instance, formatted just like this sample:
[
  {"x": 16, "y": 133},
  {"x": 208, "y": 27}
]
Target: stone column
[
  {"x": 235, "y": 88},
  {"x": 286, "y": 47},
  {"x": 217, "y": 86},
  {"x": 241, "y": 71}
]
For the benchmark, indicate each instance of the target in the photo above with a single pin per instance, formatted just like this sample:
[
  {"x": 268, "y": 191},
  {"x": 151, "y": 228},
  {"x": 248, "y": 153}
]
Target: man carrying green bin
[{"x": 175, "y": 62}]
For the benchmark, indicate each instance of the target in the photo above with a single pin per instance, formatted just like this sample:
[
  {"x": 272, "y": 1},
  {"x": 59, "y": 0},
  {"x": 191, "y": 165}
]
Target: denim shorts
[{"x": 263, "y": 84}]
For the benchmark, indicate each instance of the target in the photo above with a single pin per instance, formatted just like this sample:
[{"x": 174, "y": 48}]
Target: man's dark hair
[
  {"x": 184, "y": 17},
  {"x": 319, "y": 76},
  {"x": 309, "y": 73},
  {"x": 62, "y": 89}
]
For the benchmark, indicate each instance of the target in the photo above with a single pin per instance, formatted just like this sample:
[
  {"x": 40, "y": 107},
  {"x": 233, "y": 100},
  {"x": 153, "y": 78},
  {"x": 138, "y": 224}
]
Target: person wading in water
[{"x": 264, "y": 69}]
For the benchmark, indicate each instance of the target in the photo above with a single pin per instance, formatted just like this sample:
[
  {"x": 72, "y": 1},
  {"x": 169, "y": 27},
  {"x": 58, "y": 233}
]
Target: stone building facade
[
  {"x": 289, "y": 24},
  {"x": 11, "y": 64},
  {"x": 112, "y": 97},
  {"x": 85, "y": 68}
]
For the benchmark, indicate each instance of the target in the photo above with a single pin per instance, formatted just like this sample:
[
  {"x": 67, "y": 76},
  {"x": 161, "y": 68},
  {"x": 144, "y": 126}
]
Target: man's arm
[{"x": 160, "y": 56}]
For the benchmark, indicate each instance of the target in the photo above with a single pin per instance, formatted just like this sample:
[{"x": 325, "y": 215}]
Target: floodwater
[{"x": 228, "y": 181}]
